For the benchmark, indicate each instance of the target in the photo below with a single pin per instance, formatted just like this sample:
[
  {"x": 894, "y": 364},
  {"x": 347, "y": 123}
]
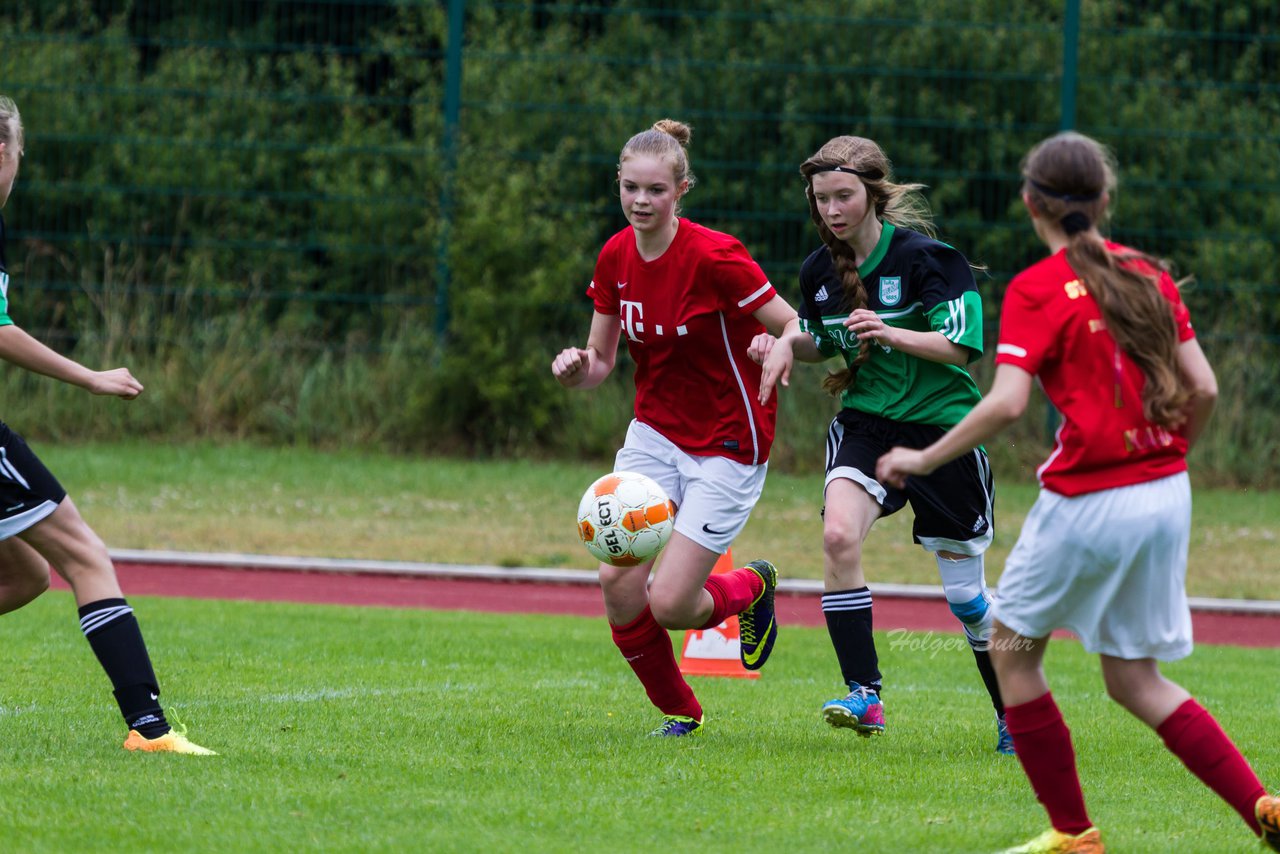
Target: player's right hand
[
  {"x": 776, "y": 368},
  {"x": 118, "y": 382},
  {"x": 570, "y": 365},
  {"x": 760, "y": 346}
]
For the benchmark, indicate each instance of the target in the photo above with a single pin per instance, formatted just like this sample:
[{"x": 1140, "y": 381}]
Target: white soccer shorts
[{"x": 713, "y": 495}]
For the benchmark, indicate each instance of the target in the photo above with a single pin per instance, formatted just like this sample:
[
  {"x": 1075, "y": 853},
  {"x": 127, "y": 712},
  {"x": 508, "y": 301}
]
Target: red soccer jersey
[
  {"x": 1052, "y": 328},
  {"x": 687, "y": 321}
]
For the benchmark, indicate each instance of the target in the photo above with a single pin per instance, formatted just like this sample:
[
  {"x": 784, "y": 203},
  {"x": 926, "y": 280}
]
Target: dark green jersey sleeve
[{"x": 950, "y": 297}]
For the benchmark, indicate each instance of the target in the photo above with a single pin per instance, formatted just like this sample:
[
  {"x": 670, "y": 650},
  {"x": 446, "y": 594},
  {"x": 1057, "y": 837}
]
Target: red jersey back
[
  {"x": 686, "y": 317},
  {"x": 1051, "y": 327}
]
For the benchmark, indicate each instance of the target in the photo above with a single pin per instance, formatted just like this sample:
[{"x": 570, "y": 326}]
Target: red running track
[{"x": 439, "y": 593}]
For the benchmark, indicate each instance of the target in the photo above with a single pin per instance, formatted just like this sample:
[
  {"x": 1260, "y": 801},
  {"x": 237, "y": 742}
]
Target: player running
[
  {"x": 1103, "y": 551},
  {"x": 40, "y": 525},
  {"x": 904, "y": 313},
  {"x": 689, "y": 300}
]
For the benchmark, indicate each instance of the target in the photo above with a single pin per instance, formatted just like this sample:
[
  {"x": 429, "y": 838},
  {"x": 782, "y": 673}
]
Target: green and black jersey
[
  {"x": 912, "y": 282},
  {"x": 4, "y": 281}
]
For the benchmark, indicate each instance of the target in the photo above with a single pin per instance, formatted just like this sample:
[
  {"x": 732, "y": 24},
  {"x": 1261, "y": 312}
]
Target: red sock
[
  {"x": 647, "y": 648},
  {"x": 732, "y": 593},
  {"x": 1192, "y": 735},
  {"x": 1043, "y": 744}
]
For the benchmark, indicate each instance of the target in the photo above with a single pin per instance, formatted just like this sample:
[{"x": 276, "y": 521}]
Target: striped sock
[
  {"x": 116, "y": 639},
  {"x": 848, "y": 614}
]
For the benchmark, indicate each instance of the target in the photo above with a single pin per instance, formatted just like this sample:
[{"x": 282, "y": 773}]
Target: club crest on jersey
[
  {"x": 890, "y": 290},
  {"x": 821, "y": 295}
]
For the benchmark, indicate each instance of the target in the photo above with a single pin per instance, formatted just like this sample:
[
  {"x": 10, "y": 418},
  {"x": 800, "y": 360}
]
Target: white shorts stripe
[
  {"x": 14, "y": 525},
  {"x": 9, "y": 471}
]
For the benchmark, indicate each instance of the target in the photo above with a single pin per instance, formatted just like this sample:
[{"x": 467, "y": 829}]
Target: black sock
[
  {"x": 983, "y": 658},
  {"x": 848, "y": 614},
  {"x": 114, "y": 636}
]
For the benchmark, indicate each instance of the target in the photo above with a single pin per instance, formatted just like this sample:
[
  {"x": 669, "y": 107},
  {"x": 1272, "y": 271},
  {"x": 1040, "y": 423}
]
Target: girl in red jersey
[
  {"x": 1104, "y": 550},
  {"x": 40, "y": 525},
  {"x": 689, "y": 301}
]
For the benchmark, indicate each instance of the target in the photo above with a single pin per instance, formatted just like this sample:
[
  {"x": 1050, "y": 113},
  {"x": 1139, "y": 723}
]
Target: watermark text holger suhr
[{"x": 933, "y": 643}]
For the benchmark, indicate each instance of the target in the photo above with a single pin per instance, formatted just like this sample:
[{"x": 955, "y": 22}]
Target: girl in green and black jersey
[{"x": 902, "y": 310}]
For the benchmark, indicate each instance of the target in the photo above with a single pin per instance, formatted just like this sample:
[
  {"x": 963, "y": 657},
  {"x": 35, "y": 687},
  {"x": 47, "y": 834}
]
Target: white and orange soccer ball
[{"x": 625, "y": 518}]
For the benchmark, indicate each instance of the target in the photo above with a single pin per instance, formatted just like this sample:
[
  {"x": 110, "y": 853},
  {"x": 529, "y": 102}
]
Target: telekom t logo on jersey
[{"x": 633, "y": 321}]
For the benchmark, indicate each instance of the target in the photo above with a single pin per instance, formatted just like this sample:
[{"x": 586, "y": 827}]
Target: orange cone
[{"x": 715, "y": 651}]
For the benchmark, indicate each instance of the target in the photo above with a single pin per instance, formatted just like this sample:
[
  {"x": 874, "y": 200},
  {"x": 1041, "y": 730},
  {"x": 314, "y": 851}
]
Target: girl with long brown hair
[
  {"x": 904, "y": 312},
  {"x": 1103, "y": 551}
]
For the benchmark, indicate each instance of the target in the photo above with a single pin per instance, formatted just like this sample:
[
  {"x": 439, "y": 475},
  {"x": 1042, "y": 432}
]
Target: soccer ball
[{"x": 625, "y": 518}]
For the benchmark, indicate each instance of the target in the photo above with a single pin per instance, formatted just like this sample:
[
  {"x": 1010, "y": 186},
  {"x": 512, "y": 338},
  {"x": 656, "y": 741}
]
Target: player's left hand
[
  {"x": 118, "y": 382},
  {"x": 869, "y": 327},
  {"x": 893, "y": 467}
]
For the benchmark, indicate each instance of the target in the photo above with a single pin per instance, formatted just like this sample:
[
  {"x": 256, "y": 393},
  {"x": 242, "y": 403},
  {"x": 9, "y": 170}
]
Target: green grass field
[
  {"x": 347, "y": 729},
  {"x": 350, "y": 504}
]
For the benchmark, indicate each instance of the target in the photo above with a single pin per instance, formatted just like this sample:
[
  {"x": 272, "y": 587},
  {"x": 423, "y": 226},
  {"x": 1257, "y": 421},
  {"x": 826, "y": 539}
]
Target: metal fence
[{"x": 312, "y": 158}]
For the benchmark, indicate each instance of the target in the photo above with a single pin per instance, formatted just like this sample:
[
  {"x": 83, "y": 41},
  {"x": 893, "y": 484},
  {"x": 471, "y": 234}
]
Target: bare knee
[
  {"x": 85, "y": 556},
  {"x": 1123, "y": 687},
  {"x": 625, "y": 596},
  {"x": 842, "y": 557},
  {"x": 24, "y": 574},
  {"x": 1014, "y": 656},
  {"x": 672, "y": 611},
  {"x": 842, "y": 545},
  {"x": 18, "y": 589}
]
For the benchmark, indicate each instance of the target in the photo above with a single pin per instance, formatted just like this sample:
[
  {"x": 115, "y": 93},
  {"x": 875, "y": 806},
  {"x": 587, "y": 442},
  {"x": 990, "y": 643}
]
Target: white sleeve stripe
[
  {"x": 1011, "y": 350},
  {"x": 763, "y": 288},
  {"x": 956, "y": 324}
]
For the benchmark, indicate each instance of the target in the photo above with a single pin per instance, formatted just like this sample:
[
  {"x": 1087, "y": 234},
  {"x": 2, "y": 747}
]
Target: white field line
[{"x": 798, "y": 586}]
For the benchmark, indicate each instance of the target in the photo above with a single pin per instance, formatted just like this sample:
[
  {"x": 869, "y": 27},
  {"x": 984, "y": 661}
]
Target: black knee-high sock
[
  {"x": 983, "y": 658},
  {"x": 114, "y": 636},
  {"x": 848, "y": 614}
]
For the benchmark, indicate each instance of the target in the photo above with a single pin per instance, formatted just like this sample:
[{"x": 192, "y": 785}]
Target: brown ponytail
[{"x": 1069, "y": 177}]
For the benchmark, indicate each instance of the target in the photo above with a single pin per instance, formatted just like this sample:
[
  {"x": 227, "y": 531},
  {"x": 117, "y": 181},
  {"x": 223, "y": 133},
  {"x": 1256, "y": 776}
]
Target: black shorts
[
  {"x": 953, "y": 507},
  {"x": 28, "y": 491}
]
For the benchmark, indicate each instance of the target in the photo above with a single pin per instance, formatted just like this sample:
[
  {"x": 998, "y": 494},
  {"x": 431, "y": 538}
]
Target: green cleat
[{"x": 678, "y": 725}]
